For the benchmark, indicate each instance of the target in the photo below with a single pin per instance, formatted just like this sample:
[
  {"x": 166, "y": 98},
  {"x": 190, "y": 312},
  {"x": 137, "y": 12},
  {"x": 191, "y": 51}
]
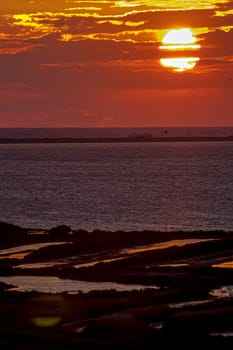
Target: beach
[{"x": 136, "y": 290}]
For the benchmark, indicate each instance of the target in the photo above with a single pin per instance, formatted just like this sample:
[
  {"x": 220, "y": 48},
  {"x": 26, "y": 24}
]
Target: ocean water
[{"x": 118, "y": 186}]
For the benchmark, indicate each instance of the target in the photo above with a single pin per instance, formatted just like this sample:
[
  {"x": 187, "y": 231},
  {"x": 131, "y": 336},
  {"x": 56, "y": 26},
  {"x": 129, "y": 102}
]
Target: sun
[
  {"x": 179, "y": 36},
  {"x": 180, "y": 64},
  {"x": 182, "y": 39},
  {"x": 179, "y": 39}
]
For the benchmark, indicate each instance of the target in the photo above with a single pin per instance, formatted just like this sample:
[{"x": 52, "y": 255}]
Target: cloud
[
  {"x": 17, "y": 92},
  {"x": 79, "y": 25},
  {"x": 96, "y": 63},
  {"x": 74, "y": 117}
]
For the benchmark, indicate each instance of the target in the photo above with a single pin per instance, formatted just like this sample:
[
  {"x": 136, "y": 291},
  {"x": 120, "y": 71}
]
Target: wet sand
[{"x": 183, "y": 297}]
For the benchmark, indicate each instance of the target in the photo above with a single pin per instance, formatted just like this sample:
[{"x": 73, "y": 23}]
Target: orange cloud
[{"x": 94, "y": 63}]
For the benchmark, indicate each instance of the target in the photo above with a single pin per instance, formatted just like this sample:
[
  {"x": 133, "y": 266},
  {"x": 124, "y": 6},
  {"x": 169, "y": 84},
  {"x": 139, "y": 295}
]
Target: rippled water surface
[{"x": 118, "y": 186}]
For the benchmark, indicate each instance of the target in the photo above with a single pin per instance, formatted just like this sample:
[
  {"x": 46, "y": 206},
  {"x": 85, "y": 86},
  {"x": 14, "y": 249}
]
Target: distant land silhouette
[{"x": 130, "y": 138}]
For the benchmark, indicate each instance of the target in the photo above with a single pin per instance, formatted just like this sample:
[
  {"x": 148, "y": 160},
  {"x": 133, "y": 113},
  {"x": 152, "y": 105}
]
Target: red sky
[{"x": 69, "y": 63}]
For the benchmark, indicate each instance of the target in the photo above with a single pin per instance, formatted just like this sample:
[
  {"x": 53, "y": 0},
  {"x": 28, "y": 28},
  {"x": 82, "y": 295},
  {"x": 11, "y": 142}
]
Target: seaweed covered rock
[
  {"x": 60, "y": 230},
  {"x": 10, "y": 228},
  {"x": 10, "y": 233},
  {"x": 6, "y": 269}
]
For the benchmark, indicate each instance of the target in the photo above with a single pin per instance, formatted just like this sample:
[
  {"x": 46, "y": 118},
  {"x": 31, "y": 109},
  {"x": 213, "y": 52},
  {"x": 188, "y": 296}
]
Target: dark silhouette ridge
[{"x": 130, "y": 138}]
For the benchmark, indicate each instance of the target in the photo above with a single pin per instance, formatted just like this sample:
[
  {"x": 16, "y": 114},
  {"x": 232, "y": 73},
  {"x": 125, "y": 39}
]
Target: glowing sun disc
[
  {"x": 179, "y": 64},
  {"x": 180, "y": 47},
  {"x": 179, "y": 40},
  {"x": 182, "y": 36}
]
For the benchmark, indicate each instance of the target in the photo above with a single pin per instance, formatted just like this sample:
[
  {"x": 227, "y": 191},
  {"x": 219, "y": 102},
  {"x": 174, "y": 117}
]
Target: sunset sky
[{"x": 69, "y": 63}]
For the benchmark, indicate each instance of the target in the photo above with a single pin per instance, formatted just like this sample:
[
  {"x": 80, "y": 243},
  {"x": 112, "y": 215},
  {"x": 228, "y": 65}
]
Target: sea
[{"x": 129, "y": 186}]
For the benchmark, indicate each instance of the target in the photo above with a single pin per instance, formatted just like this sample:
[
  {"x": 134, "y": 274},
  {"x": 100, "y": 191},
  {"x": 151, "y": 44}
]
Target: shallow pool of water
[
  {"x": 104, "y": 261},
  {"x": 225, "y": 265},
  {"x": 173, "y": 265},
  {"x": 122, "y": 254},
  {"x": 164, "y": 245},
  {"x": 26, "y": 249},
  {"x": 41, "y": 265},
  {"x": 222, "y": 334},
  {"x": 188, "y": 303},
  {"x": 52, "y": 284},
  {"x": 223, "y": 292}
]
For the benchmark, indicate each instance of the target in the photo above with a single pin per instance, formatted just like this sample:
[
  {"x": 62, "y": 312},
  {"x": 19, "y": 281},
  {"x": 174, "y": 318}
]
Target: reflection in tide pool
[
  {"x": 122, "y": 254},
  {"x": 188, "y": 303},
  {"x": 225, "y": 265},
  {"x": 26, "y": 249},
  {"x": 163, "y": 245},
  {"x": 93, "y": 263},
  {"x": 173, "y": 265},
  {"x": 52, "y": 284},
  {"x": 41, "y": 265},
  {"x": 17, "y": 256},
  {"x": 223, "y": 292},
  {"x": 222, "y": 334}
]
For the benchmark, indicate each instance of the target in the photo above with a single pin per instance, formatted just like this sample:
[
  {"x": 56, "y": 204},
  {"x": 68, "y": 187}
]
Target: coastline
[
  {"x": 129, "y": 139},
  {"x": 189, "y": 306}
]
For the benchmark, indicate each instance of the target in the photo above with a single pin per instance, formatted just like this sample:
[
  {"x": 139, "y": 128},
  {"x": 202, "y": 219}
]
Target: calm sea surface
[{"x": 118, "y": 186}]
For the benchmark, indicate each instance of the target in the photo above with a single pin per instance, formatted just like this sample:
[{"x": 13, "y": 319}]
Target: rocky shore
[{"x": 176, "y": 289}]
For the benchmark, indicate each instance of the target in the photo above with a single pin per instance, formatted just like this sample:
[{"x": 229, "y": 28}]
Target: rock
[
  {"x": 60, "y": 230},
  {"x": 9, "y": 228}
]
